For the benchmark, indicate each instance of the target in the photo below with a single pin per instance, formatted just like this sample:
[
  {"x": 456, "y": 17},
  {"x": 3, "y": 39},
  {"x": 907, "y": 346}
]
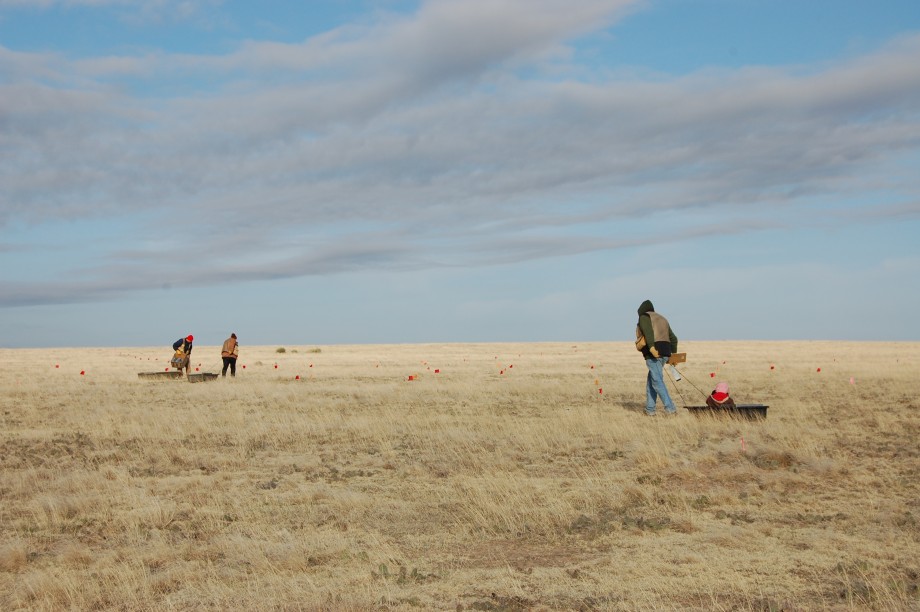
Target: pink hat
[{"x": 722, "y": 387}]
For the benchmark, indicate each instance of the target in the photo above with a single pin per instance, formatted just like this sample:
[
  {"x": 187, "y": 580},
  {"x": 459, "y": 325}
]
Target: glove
[{"x": 653, "y": 351}]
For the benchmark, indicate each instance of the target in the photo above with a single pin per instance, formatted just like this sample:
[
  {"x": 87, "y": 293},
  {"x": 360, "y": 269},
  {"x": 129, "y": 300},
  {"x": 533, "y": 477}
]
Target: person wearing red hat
[
  {"x": 720, "y": 398},
  {"x": 183, "y": 348}
]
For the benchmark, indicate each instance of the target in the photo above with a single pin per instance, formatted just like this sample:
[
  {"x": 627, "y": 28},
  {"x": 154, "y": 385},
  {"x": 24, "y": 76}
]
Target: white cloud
[{"x": 419, "y": 131}]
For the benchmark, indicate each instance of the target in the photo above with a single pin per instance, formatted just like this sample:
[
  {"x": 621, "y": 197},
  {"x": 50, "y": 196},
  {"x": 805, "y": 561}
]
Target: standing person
[
  {"x": 656, "y": 341},
  {"x": 229, "y": 352},
  {"x": 183, "y": 348}
]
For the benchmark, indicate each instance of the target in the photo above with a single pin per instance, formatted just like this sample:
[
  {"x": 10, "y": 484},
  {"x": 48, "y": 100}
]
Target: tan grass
[{"x": 504, "y": 482}]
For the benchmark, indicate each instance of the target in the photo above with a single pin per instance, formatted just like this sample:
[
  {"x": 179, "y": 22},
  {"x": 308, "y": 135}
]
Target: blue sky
[{"x": 457, "y": 170}]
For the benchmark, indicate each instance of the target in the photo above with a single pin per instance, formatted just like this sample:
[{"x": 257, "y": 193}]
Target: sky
[{"x": 393, "y": 171}]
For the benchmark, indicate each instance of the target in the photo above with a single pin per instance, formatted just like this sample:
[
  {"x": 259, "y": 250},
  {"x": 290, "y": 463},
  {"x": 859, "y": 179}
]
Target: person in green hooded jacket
[{"x": 656, "y": 341}]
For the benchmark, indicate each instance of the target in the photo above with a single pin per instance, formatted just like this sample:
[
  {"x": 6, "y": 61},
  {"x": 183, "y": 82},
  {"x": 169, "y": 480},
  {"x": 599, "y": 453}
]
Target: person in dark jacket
[
  {"x": 183, "y": 348},
  {"x": 656, "y": 341}
]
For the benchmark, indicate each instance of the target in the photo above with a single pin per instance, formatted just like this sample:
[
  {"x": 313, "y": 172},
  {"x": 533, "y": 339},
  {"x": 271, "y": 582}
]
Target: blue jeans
[{"x": 655, "y": 387}]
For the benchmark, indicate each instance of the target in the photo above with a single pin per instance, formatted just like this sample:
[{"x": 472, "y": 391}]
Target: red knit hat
[{"x": 190, "y": 337}]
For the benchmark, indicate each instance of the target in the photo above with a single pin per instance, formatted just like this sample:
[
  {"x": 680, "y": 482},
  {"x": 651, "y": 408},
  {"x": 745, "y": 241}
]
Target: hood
[{"x": 646, "y": 307}]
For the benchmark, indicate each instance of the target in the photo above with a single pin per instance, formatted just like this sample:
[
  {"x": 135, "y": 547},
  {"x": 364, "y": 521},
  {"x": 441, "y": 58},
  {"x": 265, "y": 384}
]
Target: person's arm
[{"x": 672, "y": 337}]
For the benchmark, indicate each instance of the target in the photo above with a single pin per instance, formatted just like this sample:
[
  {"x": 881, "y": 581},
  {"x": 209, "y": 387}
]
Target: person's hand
[{"x": 653, "y": 351}]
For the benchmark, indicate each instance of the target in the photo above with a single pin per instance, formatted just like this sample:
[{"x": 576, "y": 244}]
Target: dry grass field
[{"x": 500, "y": 479}]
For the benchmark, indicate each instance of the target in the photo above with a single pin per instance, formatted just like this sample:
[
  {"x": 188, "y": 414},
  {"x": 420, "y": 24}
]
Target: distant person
[
  {"x": 229, "y": 352},
  {"x": 720, "y": 397},
  {"x": 183, "y": 348},
  {"x": 656, "y": 341}
]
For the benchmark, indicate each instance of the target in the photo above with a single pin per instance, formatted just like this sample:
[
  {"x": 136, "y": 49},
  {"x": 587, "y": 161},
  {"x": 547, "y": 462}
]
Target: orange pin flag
[
  {"x": 411, "y": 377},
  {"x": 437, "y": 371},
  {"x": 244, "y": 367},
  {"x": 600, "y": 391},
  {"x": 82, "y": 372},
  {"x": 276, "y": 366},
  {"x": 57, "y": 365},
  {"x": 196, "y": 369},
  {"x": 819, "y": 369},
  {"x": 712, "y": 375},
  {"x": 297, "y": 377}
]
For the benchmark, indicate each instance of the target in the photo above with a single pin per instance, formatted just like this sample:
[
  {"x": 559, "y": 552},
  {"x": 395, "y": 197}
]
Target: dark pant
[{"x": 231, "y": 362}]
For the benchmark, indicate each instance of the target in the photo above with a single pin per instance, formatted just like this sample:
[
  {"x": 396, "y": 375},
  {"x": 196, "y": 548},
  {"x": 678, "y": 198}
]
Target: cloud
[
  {"x": 129, "y": 272},
  {"x": 432, "y": 137}
]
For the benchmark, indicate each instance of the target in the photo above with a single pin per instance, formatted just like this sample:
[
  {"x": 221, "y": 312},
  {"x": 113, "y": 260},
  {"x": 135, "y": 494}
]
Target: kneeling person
[{"x": 720, "y": 398}]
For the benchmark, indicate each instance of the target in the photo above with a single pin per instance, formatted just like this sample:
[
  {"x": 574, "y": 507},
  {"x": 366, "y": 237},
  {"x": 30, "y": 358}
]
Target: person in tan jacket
[
  {"x": 656, "y": 341},
  {"x": 229, "y": 352}
]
